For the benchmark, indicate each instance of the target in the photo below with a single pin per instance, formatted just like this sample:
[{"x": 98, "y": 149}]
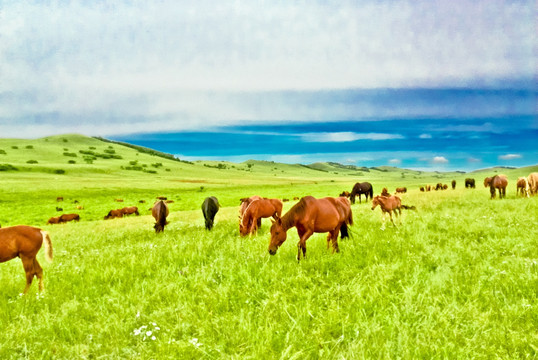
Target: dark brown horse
[
  {"x": 69, "y": 217},
  {"x": 469, "y": 183},
  {"x": 210, "y": 207},
  {"x": 401, "y": 190},
  {"x": 24, "y": 242},
  {"x": 309, "y": 216},
  {"x": 497, "y": 182},
  {"x": 361, "y": 188},
  {"x": 159, "y": 213},
  {"x": 453, "y": 184},
  {"x": 258, "y": 209}
]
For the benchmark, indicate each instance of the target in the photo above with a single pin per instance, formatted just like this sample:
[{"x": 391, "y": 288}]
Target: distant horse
[
  {"x": 385, "y": 192},
  {"x": 160, "y": 212},
  {"x": 532, "y": 179},
  {"x": 453, "y": 184},
  {"x": 309, "y": 216},
  {"x": 344, "y": 194},
  {"x": 422, "y": 189},
  {"x": 69, "y": 217},
  {"x": 439, "y": 186},
  {"x": 114, "y": 214},
  {"x": 361, "y": 188},
  {"x": 401, "y": 190},
  {"x": 54, "y": 220},
  {"x": 388, "y": 204},
  {"x": 497, "y": 182},
  {"x": 262, "y": 208},
  {"x": 469, "y": 183},
  {"x": 24, "y": 242},
  {"x": 210, "y": 207},
  {"x": 130, "y": 210},
  {"x": 522, "y": 186}
]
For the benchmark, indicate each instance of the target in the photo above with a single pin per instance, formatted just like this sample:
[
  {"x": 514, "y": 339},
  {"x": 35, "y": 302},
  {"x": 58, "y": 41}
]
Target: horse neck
[{"x": 288, "y": 220}]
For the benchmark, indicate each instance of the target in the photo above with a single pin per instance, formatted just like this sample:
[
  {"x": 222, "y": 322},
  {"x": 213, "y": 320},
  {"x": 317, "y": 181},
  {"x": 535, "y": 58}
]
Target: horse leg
[
  {"x": 28, "y": 264},
  {"x": 334, "y": 236},
  {"x": 329, "y": 238},
  {"x": 392, "y": 221},
  {"x": 38, "y": 270},
  {"x": 301, "y": 245}
]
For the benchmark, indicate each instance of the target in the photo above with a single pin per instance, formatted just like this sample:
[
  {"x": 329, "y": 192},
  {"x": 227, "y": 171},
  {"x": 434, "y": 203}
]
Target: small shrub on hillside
[
  {"x": 167, "y": 169},
  {"x": 133, "y": 162},
  {"x": 110, "y": 151},
  {"x": 14, "y": 147},
  {"x": 66, "y": 149},
  {"x": 88, "y": 160},
  {"x": 29, "y": 146},
  {"x": 71, "y": 162},
  {"x": 150, "y": 171},
  {"x": 3, "y": 152},
  {"x": 92, "y": 147},
  {"x": 70, "y": 154},
  {"x": 157, "y": 165},
  {"x": 65, "y": 140},
  {"x": 59, "y": 171},
  {"x": 31, "y": 162},
  {"x": 7, "y": 167}
]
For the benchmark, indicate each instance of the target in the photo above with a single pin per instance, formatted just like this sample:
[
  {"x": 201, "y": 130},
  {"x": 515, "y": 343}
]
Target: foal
[{"x": 388, "y": 204}]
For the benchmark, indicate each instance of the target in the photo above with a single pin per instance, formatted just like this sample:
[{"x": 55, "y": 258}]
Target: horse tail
[
  {"x": 412, "y": 207},
  {"x": 162, "y": 216},
  {"x": 371, "y": 193},
  {"x": 48, "y": 245},
  {"x": 344, "y": 230}
]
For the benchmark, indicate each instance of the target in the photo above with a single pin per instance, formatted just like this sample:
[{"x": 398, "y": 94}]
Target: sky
[{"x": 422, "y": 84}]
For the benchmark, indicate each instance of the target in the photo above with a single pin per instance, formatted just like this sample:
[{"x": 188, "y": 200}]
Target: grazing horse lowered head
[
  {"x": 309, "y": 216},
  {"x": 256, "y": 210},
  {"x": 496, "y": 182},
  {"x": 210, "y": 207},
  {"x": 522, "y": 186},
  {"x": 469, "y": 183},
  {"x": 159, "y": 213},
  {"x": 532, "y": 179},
  {"x": 361, "y": 188},
  {"x": 24, "y": 242}
]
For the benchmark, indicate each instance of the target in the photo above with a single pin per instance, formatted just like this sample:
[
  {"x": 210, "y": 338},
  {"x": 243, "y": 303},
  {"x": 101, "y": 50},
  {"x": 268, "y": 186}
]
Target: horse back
[{"x": 17, "y": 239}]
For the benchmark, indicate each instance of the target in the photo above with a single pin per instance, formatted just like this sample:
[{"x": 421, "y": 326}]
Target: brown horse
[
  {"x": 532, "y": 179},
  {"x": 497, "y": 182},
  {"x": 453, "y": 184},
  {"x": 160, "y": 212},
  {"x": 114, "y": 214},
  {"x": 388, "y": 204},
  {"x": 522, "y": 186},
  {"x": 258, "y": 209},
  {"x": 469, "y": 183},
  {"x": 361, "y": 188},
  {"x": 24, "y": 242},
  {"x": 309, "y": 216},
  {"x": 401, "y": 190},
  {"x": 130, "y": 210},
  {"x": 385, "y": 192},
  {"x": 69, "y": 217},
  {"x": 245, "y": 202}
]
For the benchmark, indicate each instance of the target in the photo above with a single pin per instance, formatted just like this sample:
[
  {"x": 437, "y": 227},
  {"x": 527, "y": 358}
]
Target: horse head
[
  {"x": 278, "y": 235},
  {"x": 487, "y": 181},
  {"x": 375, "y": 202}
]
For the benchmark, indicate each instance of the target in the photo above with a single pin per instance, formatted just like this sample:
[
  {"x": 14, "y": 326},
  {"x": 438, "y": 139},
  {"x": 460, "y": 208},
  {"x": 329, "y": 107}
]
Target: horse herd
[{"x": 332, "y": 215}]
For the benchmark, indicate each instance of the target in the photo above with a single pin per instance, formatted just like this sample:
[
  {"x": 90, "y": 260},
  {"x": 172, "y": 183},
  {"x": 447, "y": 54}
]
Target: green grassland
[{"x": 458, "y": 278}]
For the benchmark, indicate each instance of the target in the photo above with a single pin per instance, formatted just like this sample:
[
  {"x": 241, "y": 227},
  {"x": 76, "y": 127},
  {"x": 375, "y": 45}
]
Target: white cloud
[
  {"x": 346, "y": 136},
  {"x": 510, "y": 157},
  {"x": 395, "y": 161},
  {"x": 425, "y": 136},
  {"x": 440, "y": 160}
]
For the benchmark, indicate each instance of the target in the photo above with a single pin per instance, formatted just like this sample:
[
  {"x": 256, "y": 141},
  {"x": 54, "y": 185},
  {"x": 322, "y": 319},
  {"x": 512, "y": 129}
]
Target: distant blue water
[{"x": 424, "y": 129}]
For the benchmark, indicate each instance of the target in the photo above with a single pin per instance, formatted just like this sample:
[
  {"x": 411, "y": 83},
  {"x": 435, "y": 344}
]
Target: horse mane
[{"x": 298, "y": 209}]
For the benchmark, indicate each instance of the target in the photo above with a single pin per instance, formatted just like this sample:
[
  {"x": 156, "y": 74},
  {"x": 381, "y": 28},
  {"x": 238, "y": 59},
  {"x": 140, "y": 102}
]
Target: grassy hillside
[{"x": 458, "y": 278}]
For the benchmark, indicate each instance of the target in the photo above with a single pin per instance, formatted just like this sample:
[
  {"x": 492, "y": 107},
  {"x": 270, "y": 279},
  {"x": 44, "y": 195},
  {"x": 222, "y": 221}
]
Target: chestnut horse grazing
[
  {"x": 255, "y": 211},
  {"x": 160, "y": 212},
  {"x": 388, "y": 204},
  {"x": 522, "y": 186},
  {"x": 130, "y": 210},
  {"x": 24, "y": 242},
  {"x": 361, "y": 188},
  {"x": 497, "y": 182},
  {"x": 309, "y": 216},
  {"x": 245, "y": 202}
]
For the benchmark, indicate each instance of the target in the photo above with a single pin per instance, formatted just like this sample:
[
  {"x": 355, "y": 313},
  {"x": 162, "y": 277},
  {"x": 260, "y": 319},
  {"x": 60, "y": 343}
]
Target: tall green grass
[{"x": 458, "y": 278}]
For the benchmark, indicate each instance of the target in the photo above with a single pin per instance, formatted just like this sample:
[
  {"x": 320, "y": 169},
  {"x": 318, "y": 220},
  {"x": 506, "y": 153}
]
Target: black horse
[
  {"x": 469, "y": 183},
  {"x": 210, "y": 207},
  {"x": 361, "y": 188}
]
